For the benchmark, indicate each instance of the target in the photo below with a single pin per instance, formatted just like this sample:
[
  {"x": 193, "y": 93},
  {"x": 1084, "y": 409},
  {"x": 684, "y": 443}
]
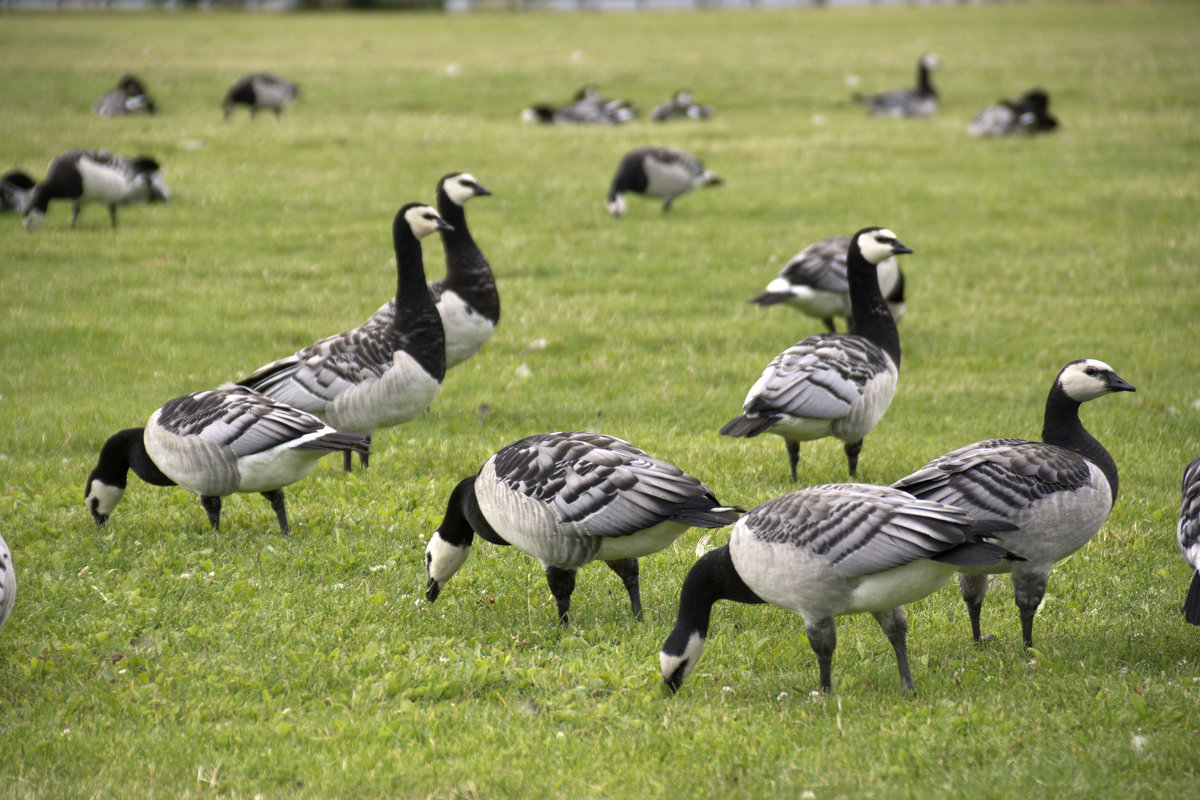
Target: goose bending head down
[
  {"x": 95, "y": 176},
  {"x": 1188, "y": 534},
  {"x": 568, "y": 499},
  {"x": 375, "y": 375},
  {"x": 1056, "y": 492},
  {"x": 258, "y": 91},
  {"x": 215, "y": 443},
  {"x": 833, "y": 384},
  {"x": 657, "y": 172},
  {"x": 825, "y": 552}
]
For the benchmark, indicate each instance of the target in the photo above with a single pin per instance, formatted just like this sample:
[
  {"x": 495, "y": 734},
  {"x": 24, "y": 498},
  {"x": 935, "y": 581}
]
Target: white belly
[
  {"x": 466, "y": 329},
  {"x": 404, "y": 392},
  {"x": 101, "y": 184},
  {"x": 274, "y": 469}
]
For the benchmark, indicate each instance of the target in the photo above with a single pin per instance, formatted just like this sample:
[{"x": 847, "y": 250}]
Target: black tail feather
[
  {"x": 339, "y": 440},
  {"x": 770, "y": 298},
  {"x": 1191, "y": 606},
  {"x": 744, "y": 426}
]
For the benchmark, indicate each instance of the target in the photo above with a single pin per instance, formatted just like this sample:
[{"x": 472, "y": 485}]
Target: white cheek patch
[
  {"x": 670, "y": 664},
  {"x": 104, "y": 497},
  {"x": 459, "y": 193},
  {"x": 1080, "y": 386},
  {"x": 443, "y": 559}
]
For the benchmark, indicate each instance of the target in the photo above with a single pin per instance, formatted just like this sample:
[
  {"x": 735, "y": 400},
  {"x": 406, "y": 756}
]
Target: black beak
[
  {"x": 481, "y": 192},
  {"x": 442, "y": 225},
  {"x": 432, "y": 590},
  {"x": 1118, "y": 384},
  {"x": 899, "y": 248}
]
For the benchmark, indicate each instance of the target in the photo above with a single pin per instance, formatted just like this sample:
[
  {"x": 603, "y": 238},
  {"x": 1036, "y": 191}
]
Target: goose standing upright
[
  {"x": 215, "y": 443},
  {"x": 568, "y": 499},
  {"x": 919, "y": 101},
  {"x": 814, "y": 282},
  {"x": 466, "y": 298},
  {"x": 1057, "y": 492},
  {"x": 95, "y": 176},
  {"x": 833, "y": 384},
  {"x": 374, "y": 376},
  {"x": 1188, "y": 534},
  {"x": 8, "y": 583},
  {"x": 657, "y": 172},
  {"x": 824, "y": 552},
  {"x": 260, "y": 90}
]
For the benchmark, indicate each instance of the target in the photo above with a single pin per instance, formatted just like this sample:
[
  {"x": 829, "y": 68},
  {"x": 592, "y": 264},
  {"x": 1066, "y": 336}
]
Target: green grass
[{"x": 153, "y": 658}]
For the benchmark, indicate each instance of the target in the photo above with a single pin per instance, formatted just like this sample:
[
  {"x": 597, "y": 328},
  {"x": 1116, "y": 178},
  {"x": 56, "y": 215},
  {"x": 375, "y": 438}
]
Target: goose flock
[{"x": 1002, "y": 505}]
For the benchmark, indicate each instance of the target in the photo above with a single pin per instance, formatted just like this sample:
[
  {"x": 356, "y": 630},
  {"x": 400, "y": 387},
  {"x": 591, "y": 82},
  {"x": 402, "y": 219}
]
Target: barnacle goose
[
  {"x": 824, "y": 552},
  {"x": 8, "y": 583},
  {"x": 374, "y": 376},
  {"x": 568, "y": 499},
  {"x": 466, "y": 298},
  {"x": 587, "y": 107},
  {"x": 682, "y": 105},
  {"x": 215, "y": 443},
  {"x": 1057, "y": 492},
  {"x": 129, "y": 97},
  {"x": 814, "y": 282},
  {"x": 919, "y": 101},
  {"x": 96, "y": 176},
  {"x": 15, "y": 188},
  {"x": 1188, "y": 533},
  {"x": 1029, "y": 115},
  {"x": 657, "y": 172},
  {"x": 833, "y": 384},
  {"x": 260, "y": 90}
]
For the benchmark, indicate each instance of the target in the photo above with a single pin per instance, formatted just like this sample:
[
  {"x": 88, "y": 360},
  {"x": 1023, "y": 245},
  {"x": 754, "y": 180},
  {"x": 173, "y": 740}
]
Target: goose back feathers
[
  {"x": 258, "y": 91},
  {"x": 1028, "y": 115},
  {"x": 657, "y": 172},
  {"x": 1188, "y": 534},
  {"x": 919, "y": 101},
  {"x": 96, "y": 176},
  {"x": 129, "y": 97},
  {"x": 588, "y": 107},
  {"x": 829, "y": 551},
  {"x": 1057, "y": 492},
  {"x": 568, "y": 499}
]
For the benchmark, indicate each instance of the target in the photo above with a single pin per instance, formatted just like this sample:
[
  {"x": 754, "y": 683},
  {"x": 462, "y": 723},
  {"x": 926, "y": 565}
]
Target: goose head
[
  {"x": 1088, "y": 378},
  {"x": 878, "y": 244},
  {"x": 422, "y": 220},
  {"x": 461, "y": 187}
]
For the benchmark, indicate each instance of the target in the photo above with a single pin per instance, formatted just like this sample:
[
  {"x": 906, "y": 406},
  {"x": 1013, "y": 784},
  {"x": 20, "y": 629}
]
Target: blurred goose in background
[
  {"x": 1028, "y": 115},
  {"x": 833, "y": 384},
  {"x": 375, "y": 375},
  {"x": 96, "y": 176},
  {"x": 682, "y": 105},
  {"x": 258, "y": 91},
  {"x": 814, "y": 282},
  {"x": 919, "y": 101},
  {"x": 825, "y": 552},
  {"x": 1188, "y": 534},
  {"x": 466, "y": 299},
  {"x": 568, "y": 499},
  {"x": 8, "y": 583},
  {"x": 215, "y": 443},
  {"x": 587, "y": 107},
  {"x": 1057, "y": 492},
  {"x": 15, "y": 188},
  {"x": 657, "y": 172},
  {"x": 129, "y": 97}
]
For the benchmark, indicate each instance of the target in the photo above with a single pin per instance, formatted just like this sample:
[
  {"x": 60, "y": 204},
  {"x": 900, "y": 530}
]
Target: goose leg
[
  {"x": 275, "y": 498},
  {"x": 364, "y": 458},
  {"x": 667, "y": 204},
  {"x": 895, "y": 627},
  {"x": 212, "y": 507},
  {"x": 793, "y": 453},
  {"x": 74, "y": 214},
  {"x": 852, "y": 450},
  {"x": 562, "y": 583},
  {"x": 830, "y": 327},
  {"x": 1028, "y": 589},
  {"x": 627, "y": 571},
  {"x": 822, "y": 637},
  {"x": 973, "y": 588},
  {"x": 112, "y": 215}
]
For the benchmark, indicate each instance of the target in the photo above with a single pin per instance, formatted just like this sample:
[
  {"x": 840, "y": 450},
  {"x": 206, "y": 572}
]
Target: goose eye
[{"x": 1090, "y": 371}]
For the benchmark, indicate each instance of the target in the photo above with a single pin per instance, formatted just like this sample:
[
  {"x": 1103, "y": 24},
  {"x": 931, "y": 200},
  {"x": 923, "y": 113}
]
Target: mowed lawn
[{"x": 154, "y": 658}]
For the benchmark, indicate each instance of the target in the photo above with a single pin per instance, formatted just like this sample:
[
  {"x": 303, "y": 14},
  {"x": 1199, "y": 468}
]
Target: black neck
[
  {"x": 464, "y": 518},
  {"x": 468, "y": 273},
  {"x": 924, "y": 86},
  {"x": 870, "y": 316},
  {"x": 416, "y": 325},
  {"x": 1063, "y": 428},
  {"x": 125, "y": 450},
  {"x": 713, "y": 577}
]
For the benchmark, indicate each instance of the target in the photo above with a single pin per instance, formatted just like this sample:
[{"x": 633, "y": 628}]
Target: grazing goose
[
  {"x": 8, "y": 583},
  {"x": 682, "y": 105},
  {"x": 15, "y": 188},
  {"x": 1188, "y": 534},
  {"x": 129, "y": 97},
  {"x": 833, "y": 384},
  {"x": 374, "y": 376},
  {"x": 657, "y": 172},
  {"x": 1056, "y": 492},
  {"x": 215, "y": 443},
  {"x": 466, "y": 298},
  {"x": 568, "y": 499},
  {"x": 815, "y": 283},
  {"x": 96, "y": 176},
  {"x": 587, "y": 107},
  {"x": 919, "y": 101},
  {"x": 260, "y": 90},
  {"x": 825, "y": 552},
  {"x": 1028, "y": 115}
]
